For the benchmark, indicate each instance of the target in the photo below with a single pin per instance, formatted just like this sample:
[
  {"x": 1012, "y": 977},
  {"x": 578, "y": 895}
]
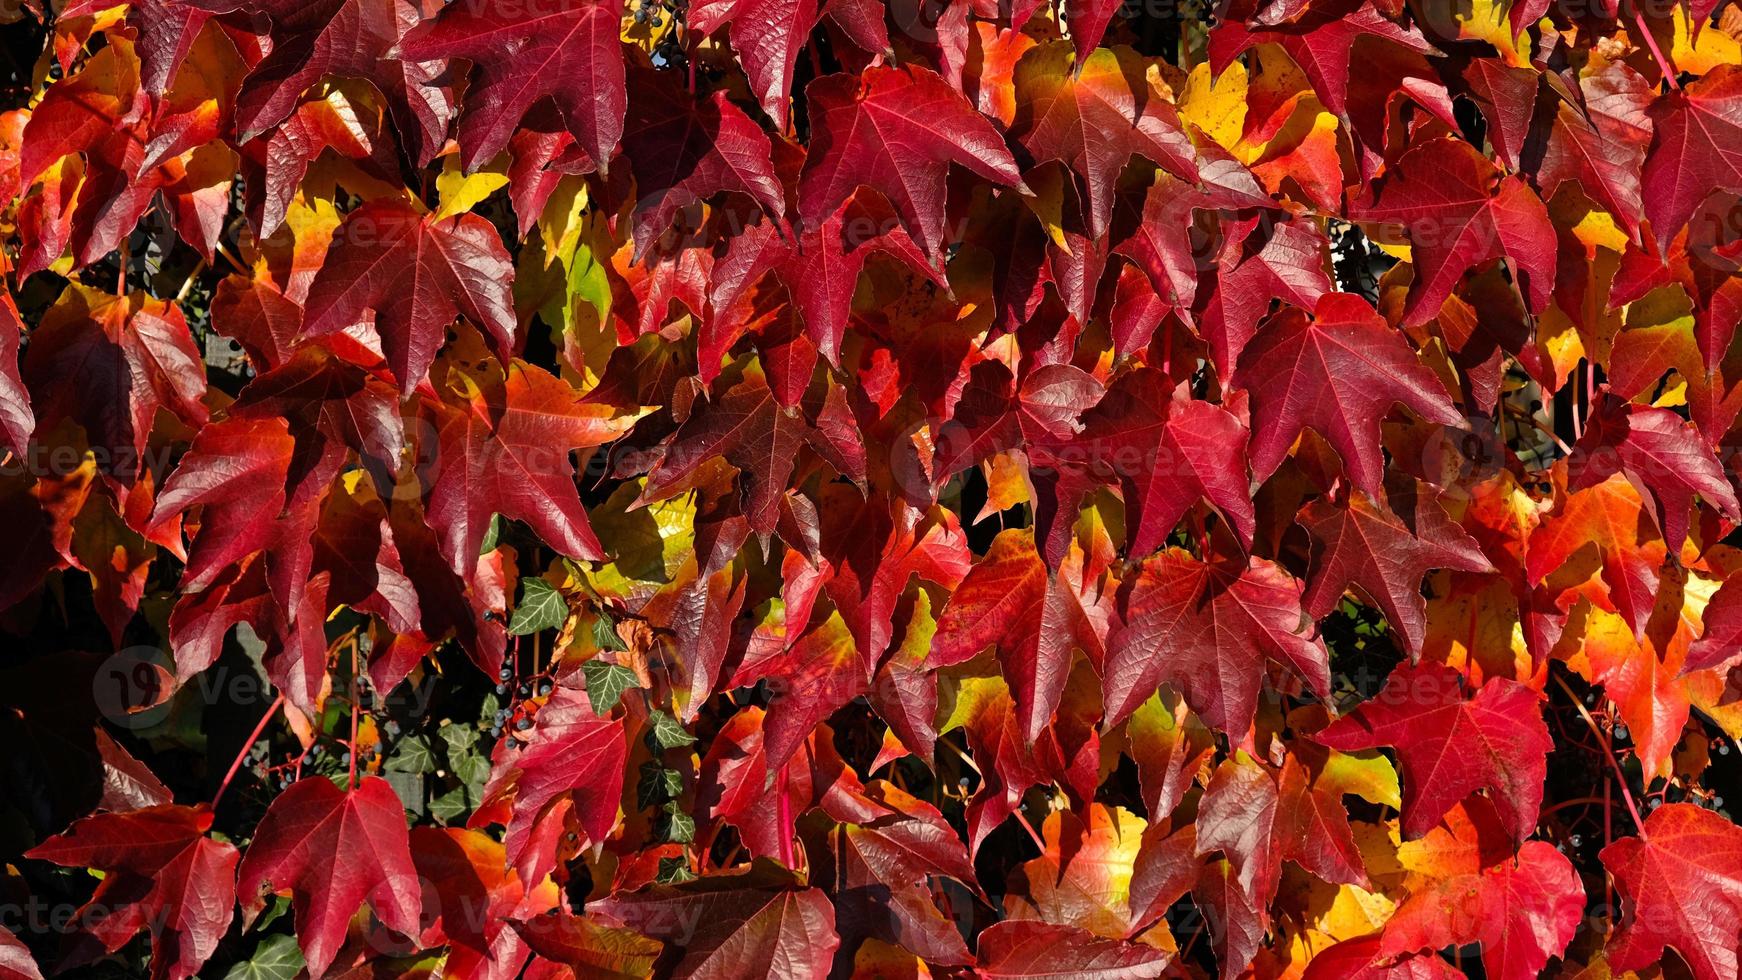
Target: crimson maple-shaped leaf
[
  {"x": 1681, "y": 886},
  {"x": 503, "y": 448},
  {"x": 758, "y": 922},
  {"x": 1450, "y": 745},
  {"x": 1459, "y": 212},
  {"x": 348, "y": 39},
  {"x": 1035, "y": 619},
  {"x": 1337, "y": 372},
  {"x": 573, "y": 759},
  {"x": 895, "y": 130},
  {"x": 820, "y": 268},
  {"x": 238, "y": 469},
  {"x": 1661, "y": 454},
  {"x": 413, "y": 275},
  {"x": 109, "y": 363},
  {"x": 814, "y": 676},
  {"x": 1522, "y": 908},
  {"x": 736, "y": 785},
  {"x": 767, "y": 36},
  {"x": 874, "y": 545},
  {"x": 1166, "y": 450},
  {"x": 569, "y": 52},
  {"x": 1094, "y": 118},
  {"x": 1609, "y": 518},
  {"x": 332, "y": 850},
  {"x": 1722, "y": 637},
  {"x": 1323, "y": 42},
  {"x": 749, "y": 427},
  {"x": 1237, "y": 816},
  {"x": 877, "y": 877},
  {"x": 1603, "y": 149},
  {"x": 1033, "y": 950},
  {"x": 1367, "y": 546},
  {"x": 588, "y": 948},
  {"x": 686, "y": 149},
  {"x": 1694, "y": 152},
  {"x": 995, "y": 414},
  {"x": 1208, "y": 627},
  {"x": 162, "y": 873},
  {"x": 1261, "y": 259}
]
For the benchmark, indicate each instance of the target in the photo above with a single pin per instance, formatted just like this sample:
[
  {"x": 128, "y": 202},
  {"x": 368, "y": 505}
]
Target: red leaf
[
  {"x": 687, "y": 150},
  {"x": 755, "y": 923},
  {"x": 15, "y": 960},
  {"x": 1523, "y": 909},
  {"x": 896, "y": 130},
  {"x": 1681, "y": 885},
  {"x": 1034, "y": 618},
  {"x": 332, "y": 850},
  {"x": 1369, "y": 547},
  {"x": 747, "y": 426},
  {"x": 522, "y": 53},
  {"x": 571, "y": 756},
  {"x": 1663, "y": 457},
  {"x": 1694, "y": 151},
  {"x": 163, "y": 874},
  {"x": 505, "y": 450},
  {"x": 1043, "y": 951},
  {"x": 1361, "y": 959},
  {"x": 1449, "y": 746},
  {"x": 1338, "y": 373},
  {"x": 412, "y": 276},
  {"x": 1093, "y": 118},
  {"x": 1219, "y": 622},
  {"x": 1459, "y": 212}
]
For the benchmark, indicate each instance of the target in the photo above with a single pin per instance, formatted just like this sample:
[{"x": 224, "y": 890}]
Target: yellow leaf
[
  {"x": 460, "y": 192},
  {"x": 1216, "y": 105}
]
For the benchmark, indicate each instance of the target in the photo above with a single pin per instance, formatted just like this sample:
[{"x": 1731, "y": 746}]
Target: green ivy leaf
[
  {"x": 606, "y": 684},
  {"x": 541, "y": 607},
  {"x": 674, "y": 825},
  {"x": 664, "y": 732},
  {"x": 674, "y": 871},
  {"x": 276, "y": 958},
  {"x": 605, "y": 634},
  {"x": 492, "y": 533},
  {"x": 412, "y": 754},
  {"x": 657, "y": 785},
  {"x": 451, "y": 806}
]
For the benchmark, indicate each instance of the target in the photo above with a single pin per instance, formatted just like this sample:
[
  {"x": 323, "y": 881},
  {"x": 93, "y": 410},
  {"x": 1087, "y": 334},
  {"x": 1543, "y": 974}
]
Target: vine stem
[
  {"x": 351, "y": 783},
  {"x": 1608, "y": 753},
  {"x": 236, "y": 765},
  {"x": 1656, "y": 52},
  {"x": 786, "y": 827}
]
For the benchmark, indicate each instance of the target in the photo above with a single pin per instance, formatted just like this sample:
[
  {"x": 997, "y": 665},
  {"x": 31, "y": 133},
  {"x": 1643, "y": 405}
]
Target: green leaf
[
  {"x": 674, "y": 871},
  {"x": 674, "y": 825},
  {"x": 666, "y": 733},
  {"x": 606, "y": 684},
  {"x": 657, "y": 785},
  {"x": 276, "y": 958},
  {"x": 492, "y": 534},
  {"x": 412, "y": 754},
  {"x": 541, "y": 607},
  {"x": 451, "y": 806},
  {"x": 277, "y": 907},
  {"x": 461, "y": 739},
  {"x": 472, "y": 769},
  {"x": 605, "y": 634}
]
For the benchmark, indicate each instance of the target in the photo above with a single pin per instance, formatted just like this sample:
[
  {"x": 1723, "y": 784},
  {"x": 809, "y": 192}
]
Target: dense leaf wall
[{"x": 842, "y": 487}]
